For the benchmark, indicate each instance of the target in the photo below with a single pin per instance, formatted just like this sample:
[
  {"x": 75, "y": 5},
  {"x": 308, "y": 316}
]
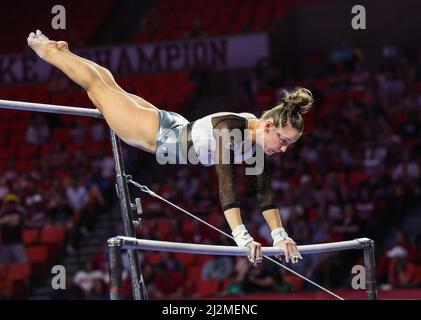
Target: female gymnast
[{"x": 140, "y": 124}]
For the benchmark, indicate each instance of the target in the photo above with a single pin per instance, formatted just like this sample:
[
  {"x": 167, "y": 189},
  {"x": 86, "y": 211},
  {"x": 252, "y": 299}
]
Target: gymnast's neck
[{"x": 253, "y": 124}]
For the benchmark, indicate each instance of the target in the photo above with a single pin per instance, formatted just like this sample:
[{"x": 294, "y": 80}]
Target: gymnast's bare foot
[
  {"x": 63, "y": 45},
  {"x": 42, "y": 46}
]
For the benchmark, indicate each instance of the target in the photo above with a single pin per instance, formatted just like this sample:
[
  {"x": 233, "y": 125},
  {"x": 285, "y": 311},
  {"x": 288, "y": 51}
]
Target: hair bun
[{"x": 300, "y": 100}]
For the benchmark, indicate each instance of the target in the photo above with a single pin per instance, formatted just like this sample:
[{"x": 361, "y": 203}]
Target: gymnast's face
[{"x": 277, "y": 140}]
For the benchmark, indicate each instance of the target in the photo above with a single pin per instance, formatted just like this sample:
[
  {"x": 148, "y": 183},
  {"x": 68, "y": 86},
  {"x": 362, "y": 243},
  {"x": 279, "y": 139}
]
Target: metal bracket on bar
[
  {"x": 137, "y": 208},
  {"x": 115, "y": 242},
  {"x": 365, "y": 242},
  {"x": 137, "y": 223}
]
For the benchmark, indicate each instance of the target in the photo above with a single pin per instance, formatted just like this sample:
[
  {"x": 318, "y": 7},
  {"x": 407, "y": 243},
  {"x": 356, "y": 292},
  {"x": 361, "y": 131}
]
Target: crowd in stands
[
  {"x": 189, "y": 19},
  {"x": 354, "y": 173},
  {"x": 48, "y": 209},
  {"x": 19, "y": 17}
]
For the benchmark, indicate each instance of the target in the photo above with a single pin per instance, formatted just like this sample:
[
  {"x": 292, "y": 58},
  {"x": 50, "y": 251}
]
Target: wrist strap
[
  {"x": 279, "y": 234},
  {"x": 241, "y": 236}
]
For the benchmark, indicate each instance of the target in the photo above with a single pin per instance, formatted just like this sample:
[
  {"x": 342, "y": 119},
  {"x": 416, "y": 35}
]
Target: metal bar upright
[
  {"x": 370, "y": 271},
  {"x": 114, "y": 251},
  {"x": 139, "y": 291}
]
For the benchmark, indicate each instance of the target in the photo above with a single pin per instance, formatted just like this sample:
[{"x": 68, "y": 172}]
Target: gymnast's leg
[
  {"x": 133, "y": 123},
  {"x": 106, "y": 75}
]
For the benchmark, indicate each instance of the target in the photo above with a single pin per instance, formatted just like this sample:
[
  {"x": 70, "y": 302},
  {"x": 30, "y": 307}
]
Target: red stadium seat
[
  {"x": 19, "y": 271},
  {"x": 19, "y": 126},
  {"x": 6, "y": 154},
  {"x": 93, "y": 147},
  {"x": 165, "y": 227},
  {"x": 355, "y": 95},
  {"x": 37, "y": 254},
  {"x": 46, "y": 149},
  {"x": 208, "y": 287},
  {"x": 62, "y": 135},
  {"x": 195, "y": 273},
  {"x": 6, "y": 287},
  {"x": 355, "y": 178},
  {"x": 53, "y": 235},
  {"x": 30, "y": 236},
  {"x": 186, "y": 259},
  {"x": 24, "y": 165},
  {"x": 279, "y": 10},
  {"x": 417, "y": 275},
  {"x": 18, "y": 139},
  {"x": 3, "y": 272},
  {"x": 188, "y": 230},
  {"x": 26, "y": 151},
  {"x": 333, "y": 97},
  {"x": 296, "y": 282}
]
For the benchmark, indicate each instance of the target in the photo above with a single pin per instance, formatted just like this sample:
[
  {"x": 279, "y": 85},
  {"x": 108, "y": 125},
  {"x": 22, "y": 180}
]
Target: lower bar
[
  {"x": 370, "y": 271},
  {"x": 133, "y": 243},
  {"x": 115, "y": 271}
]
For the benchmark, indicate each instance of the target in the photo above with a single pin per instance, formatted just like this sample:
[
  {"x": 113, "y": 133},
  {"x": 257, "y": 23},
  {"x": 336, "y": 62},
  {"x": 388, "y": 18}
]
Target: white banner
[{"x": 219, "y": 53}]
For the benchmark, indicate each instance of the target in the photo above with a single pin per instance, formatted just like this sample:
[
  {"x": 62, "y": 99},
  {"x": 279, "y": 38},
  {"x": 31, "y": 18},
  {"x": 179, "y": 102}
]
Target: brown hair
[{"x": 290, "y": 108}]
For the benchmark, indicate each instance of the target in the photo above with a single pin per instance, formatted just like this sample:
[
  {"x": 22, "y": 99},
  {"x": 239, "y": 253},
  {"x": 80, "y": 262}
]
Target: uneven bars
[
  {"x": 50, "y": 108},
  {"x": 154, "y": 245}
]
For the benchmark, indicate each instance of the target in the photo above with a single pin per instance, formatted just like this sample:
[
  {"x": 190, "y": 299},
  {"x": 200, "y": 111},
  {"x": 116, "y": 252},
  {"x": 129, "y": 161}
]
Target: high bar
[
  {"x": 154, "y": 245},
  {"x": 50, "y": 108}
]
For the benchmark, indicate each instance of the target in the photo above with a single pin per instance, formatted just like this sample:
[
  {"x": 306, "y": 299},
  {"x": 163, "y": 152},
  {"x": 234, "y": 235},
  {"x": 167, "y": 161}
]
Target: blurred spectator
[
  {"x": 401, "y": 258},
  {"x": 355, "y": 168},
  {"x": 58, "y": 208},
  {"x": 99, "y": 291},
  {"x": 86, "y": 278},
  {"x": 79, "y": 132},
  {"x": 389, "y": 52},
  {"x": 37, "y": 216},
  {"x": 97, "y": 131},
  {"x": 258, "y": 279},
  {"x": 167, "y": 284},
  {"x": 12, "y": 250},
  {"x": 38, "y": 131},
  {"x": 98, "y": 179},
  {"x": 196, "y": 30},
  {"x": 72, "y": 291},
  {"x": 4, "y": 188},
  {"x": 341, "y": 56},
  {"x": 171, "y": 263},
  {"x": 409, "y": 169},
  {"x": 77, "y": 194},
  {"x": 90, "y": 211},
  {"x": 107, "y": 166},
  {"x": 241, "y": 267},
  {"x": 401, "y": 269},
  {"x": 417, "y": 254},
  {"x": 218, "y": 268},
  {"x": 348, "y": 226}
]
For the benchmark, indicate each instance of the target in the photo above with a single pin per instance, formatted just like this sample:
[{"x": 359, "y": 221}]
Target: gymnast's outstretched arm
[{"x": 270, "y": 212}]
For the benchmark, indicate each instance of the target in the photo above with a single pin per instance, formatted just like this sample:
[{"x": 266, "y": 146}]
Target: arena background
[{"x": 354, "y": 173}]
